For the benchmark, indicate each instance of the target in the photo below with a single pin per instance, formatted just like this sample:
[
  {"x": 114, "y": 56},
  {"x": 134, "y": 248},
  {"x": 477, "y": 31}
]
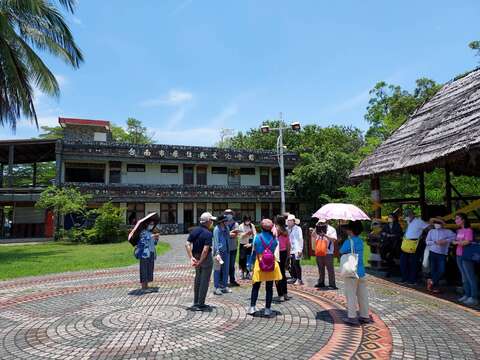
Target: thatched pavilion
[{"x": 442, "y": 133}]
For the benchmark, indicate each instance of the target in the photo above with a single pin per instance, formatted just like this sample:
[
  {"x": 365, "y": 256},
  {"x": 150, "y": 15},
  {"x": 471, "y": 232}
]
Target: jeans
[
  {"x": 469, "y": 278},
  {"x": 231, "y": 267},
  {"x": 282, "y": 284},
  {"x": 202, "y": 281},
  {"x": 269, "y": 295},
  {"x": 437, "y": 266},
  {"x": 220, "y": 277},
  {"x": 322, "y": 263},
  {"x": 408, "y": 267}
]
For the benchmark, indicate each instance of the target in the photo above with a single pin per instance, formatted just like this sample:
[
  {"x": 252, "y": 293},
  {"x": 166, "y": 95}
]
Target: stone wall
[{"x": 83, "y": 133}]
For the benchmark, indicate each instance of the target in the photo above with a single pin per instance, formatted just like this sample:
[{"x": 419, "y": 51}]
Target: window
[
  {"x": 219, "y": 208},
  {"x": 84, "y": 172},
  {"x": 248, "y": 209},
  {"x": 234, "y": 178},
  {"x": 247, "y": 171},
  {"x": 99, "y": 136},
  {"x": 276, "y": 177},
  {"x": 265, "y": 213},
  {"x": 115, "y": 172},
  {"x": 264, "y": 176},
  {"x": 188, "y": 174},
  {"x": 201, "y": 175},
  {"x": 168, "y": 213},
  {"x": 169, "y": 169},
  {"x": 136, "y": 167},
  {"x": 135, "y": 211},
  {"x": 219, "y": 170}
]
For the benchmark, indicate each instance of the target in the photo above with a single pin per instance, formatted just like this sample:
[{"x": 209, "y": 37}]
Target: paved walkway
[{"x": 99, "y": 315}]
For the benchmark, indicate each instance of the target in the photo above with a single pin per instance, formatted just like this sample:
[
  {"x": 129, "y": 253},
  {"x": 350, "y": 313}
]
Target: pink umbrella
[
  {"x": 338, "y": 211},
  {"x": 140, "y": 225}
]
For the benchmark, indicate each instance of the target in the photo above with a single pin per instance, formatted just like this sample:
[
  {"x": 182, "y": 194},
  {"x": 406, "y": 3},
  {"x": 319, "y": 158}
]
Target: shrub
[{"x": 109, "y": 226}]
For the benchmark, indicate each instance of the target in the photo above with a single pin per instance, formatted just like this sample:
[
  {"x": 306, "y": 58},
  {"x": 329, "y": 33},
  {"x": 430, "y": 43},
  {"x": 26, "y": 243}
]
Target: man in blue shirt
[{"x": 199, "y": 250}]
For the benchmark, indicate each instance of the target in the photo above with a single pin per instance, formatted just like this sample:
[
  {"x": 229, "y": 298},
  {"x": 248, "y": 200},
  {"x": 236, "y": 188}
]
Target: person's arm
[
  {"x": 188, "y": 247},
  {"x": 313, "y": 240},
  {"x": 203, "y": 256},
  {"x": 215, "y": 241},
  {"x": 429, "y": 241},
  {"x": 299, "y": 241},
  {"x": 468, "y": 238}
]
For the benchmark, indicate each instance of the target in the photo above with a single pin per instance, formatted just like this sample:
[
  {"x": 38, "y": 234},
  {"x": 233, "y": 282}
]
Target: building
[{"x": 178, "y": 182}]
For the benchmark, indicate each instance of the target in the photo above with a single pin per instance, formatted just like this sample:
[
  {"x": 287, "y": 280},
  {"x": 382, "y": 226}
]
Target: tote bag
[{"x": 349, "y": 263}]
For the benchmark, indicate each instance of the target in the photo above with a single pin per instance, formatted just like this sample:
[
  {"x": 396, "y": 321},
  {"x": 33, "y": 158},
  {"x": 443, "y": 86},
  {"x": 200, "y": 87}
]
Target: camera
[{"x": 321, "y": 229}]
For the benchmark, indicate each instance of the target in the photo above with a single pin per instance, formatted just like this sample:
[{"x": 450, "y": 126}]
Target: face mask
[
  {"x": 229, "y": 217},
  {"x": 150, "y": 227},
  {"x": 437, "y": 226}
]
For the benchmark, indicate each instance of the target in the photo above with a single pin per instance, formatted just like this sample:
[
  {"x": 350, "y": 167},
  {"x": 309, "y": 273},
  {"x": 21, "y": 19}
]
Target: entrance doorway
[{"x": 188, "y": 216}]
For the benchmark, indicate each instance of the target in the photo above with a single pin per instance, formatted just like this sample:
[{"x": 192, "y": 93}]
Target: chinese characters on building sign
[{"x": 203, "y": 155}]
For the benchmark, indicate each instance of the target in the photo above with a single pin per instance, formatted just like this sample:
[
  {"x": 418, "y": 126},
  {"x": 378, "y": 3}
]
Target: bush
[{"x": 109, "y": 225}]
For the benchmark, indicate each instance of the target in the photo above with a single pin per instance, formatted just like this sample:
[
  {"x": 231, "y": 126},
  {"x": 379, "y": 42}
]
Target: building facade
[{"x": 177, "y": 182}]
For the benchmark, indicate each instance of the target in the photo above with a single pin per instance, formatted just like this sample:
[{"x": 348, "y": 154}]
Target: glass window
[
  {"x": 201, "y": 175},
  {"x": 264, "y": 176},
  {"x": 247, "y": 171},
  {"x": 168, "y": 213},
  {"x": 169, "y": 169},
  {"x": 219, "y": 208},
  {"x": 135, "y": 211},
  {"x": 115, "y": 172},
  {"x": 84, "y": 172},
  {"x": 248, "y": 209},
  {"x": 276, "y": 177},
  {"x": 219, "y": 170},
  {"x": 188, "y": 175},
  {"x": 234, "y": 178},
  {"x": 136, "y": 167}
]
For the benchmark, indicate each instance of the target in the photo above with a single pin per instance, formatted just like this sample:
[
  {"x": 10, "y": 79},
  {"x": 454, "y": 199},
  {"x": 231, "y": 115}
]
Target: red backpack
[{"x": 267, "y": 261}]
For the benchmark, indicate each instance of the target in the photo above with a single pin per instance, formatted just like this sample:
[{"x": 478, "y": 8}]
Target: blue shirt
[
  {"x": 146, "y": 245},
  {"x": 221, "y": 237},
  {"x": 200, "y": 237},
  {"x": 357, "y": 249},
  {"x": 268, "y": 239}
]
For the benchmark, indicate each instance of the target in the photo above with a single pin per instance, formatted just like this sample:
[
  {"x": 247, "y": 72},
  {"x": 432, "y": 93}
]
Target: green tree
[
  {"x": 109, "y": 224},
  {"x": 63, "y": 200},
  {"x": 475, "y": 45},
  {"x": 27, "y": 26},
  {"x": 51, "y": 132},
  {"x": 137, "y": 133}
]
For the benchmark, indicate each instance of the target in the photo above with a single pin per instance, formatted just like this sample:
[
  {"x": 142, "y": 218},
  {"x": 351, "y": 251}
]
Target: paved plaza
[{"x": 100, "y": 315}]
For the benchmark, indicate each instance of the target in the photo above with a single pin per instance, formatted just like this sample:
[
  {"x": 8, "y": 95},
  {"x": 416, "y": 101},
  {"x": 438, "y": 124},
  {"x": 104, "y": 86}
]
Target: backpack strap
[{"x": 264, "y": 244}]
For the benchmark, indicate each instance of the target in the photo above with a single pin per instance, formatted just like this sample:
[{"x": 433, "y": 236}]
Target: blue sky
[{"x": 187, "y": 68}]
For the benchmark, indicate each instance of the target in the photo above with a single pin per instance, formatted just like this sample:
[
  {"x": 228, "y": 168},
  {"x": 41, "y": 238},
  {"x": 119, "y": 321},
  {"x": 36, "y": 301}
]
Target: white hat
[
  {"x": 292, "y": 217},
  {"x": 206, "y": 216},
  {"x": 321, "y": 221}
]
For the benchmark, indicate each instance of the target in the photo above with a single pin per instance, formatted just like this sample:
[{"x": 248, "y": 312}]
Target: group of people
[{"x": 426, "y": 245}]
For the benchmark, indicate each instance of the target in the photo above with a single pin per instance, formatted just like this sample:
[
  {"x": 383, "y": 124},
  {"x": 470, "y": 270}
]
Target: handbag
[
  {"x": 425, "y": 262},
  {"x": 471, "y": 252},
  {"x": 349, "y": 263},
  {"x": 409, "y": 246}
]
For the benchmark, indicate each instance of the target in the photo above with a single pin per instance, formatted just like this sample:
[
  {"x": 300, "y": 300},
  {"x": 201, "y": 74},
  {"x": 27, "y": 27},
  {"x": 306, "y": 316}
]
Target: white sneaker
[
  {"x": 267, "y": 312},
  {"x": 252, "y": 310},
  {"x": 218, "y": 291},
  {"x": 463, "y": 298},
  {"x": 298, "y": 282},
  {"x": 471, "y": 301},
  {"x": 227, "y": 290},
  {"x": 281, "y": 298}
]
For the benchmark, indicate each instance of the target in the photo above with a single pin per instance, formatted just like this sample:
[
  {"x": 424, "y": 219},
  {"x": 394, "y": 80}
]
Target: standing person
[
  {"x": 323, "y": 240},
  {"x": 232, "y": 226},
  {"x": 265, "y": 268},
  {"x": 356, "y": 290},
  {"x": 284, "y": 251},
  {"x": 437, "y": 241},
  {"x": 246, "y": 235},
  {"x": 391, "y": 240},
  {"x": 408, "y": 257},
  {"x": 199, "y": 250},
  {"x": 296, "y": 241},
  {"x": 146, "y": 253},
  {"x": 221, "y": 255},
  {"x": 466, "y": 267}
]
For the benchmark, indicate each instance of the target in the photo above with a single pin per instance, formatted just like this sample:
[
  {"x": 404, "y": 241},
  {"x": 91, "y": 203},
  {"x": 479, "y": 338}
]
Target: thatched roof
[{"x": 443, "y": 131}]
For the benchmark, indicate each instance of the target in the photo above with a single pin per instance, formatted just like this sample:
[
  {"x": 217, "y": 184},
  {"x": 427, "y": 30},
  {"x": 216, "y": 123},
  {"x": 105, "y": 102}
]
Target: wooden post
[
  {"x": 34, "y": 179},
  {"x": 11, "y": 157},
  {"x": 423, "y": 203},
  {"x": 376, "y": 198},
  {"x": 448, "y": 190}
]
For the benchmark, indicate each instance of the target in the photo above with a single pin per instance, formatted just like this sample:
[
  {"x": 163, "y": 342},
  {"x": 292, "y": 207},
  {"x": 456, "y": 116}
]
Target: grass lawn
[
  {"x": 40, "y": 259},
  {"x": 336, "y": 262}
]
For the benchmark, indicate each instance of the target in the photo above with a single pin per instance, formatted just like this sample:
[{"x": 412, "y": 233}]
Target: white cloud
[
  {"x": 225, "y": 115},
  {"x": 207, "y": 136},
  {"x": 174, "y": 97}
]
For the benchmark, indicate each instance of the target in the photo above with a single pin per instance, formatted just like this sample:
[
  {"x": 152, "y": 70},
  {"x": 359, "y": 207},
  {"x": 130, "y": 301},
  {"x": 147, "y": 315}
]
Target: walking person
[
  {"x": 232, "y": 226},
  {"x": 246, "y": 235},
  {"x": 296, "y": 241},
  {"x": 467, "y": 267},
  {"x": 221, "y": 256},
  {"x": 199, "y": 251},
  {"x": 323, "y": 239},
  {"x": 146, "y": 253},
  {"x": 438, "y": 241},
  {"x": 408, "y": 257},
  {"x": 356, "y": 290},
  {"x": 284, "y": 251},
  {"x": 266, "y": 268}
]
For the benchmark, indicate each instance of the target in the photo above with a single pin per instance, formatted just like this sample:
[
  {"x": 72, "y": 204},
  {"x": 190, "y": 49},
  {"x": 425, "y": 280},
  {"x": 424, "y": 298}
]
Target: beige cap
[{"x": 206, "y": 216}]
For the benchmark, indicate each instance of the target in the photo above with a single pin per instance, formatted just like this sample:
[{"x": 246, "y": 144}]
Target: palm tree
[{"x": 27, "y": 26}]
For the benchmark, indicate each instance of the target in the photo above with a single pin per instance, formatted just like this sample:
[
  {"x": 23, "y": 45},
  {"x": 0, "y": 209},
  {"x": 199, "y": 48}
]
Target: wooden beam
[
  {"x": 421, "y": 191},
  {"x": 376, "y": 197}
]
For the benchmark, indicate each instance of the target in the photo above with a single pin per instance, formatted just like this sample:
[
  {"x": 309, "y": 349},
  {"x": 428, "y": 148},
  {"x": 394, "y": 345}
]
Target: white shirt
[
  {"x": 415, "y": 228},
  {"x": 296, "y": 239}
]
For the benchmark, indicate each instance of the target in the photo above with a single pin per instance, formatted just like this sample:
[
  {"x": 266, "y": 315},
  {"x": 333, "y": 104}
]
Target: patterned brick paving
[{"x": 100, "y": 315}]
